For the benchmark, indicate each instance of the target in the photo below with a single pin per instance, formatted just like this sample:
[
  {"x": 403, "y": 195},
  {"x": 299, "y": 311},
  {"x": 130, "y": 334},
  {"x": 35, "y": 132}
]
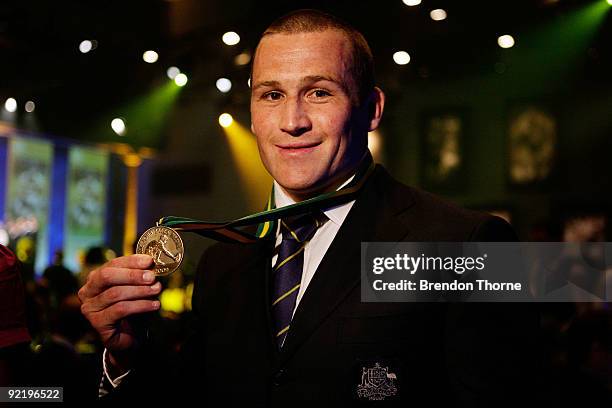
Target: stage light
[
  {"x": 132, "y": 160},
  {"x": 180, "y": 79},
  {"x": 505, "y": 41},
  {"x": 401, "y": 57},
  {"x": 242, "y": 59},
  {"x": 438, "y": 15},
  {"x": 10, "y": 105},
  {"x": 150, "y": 56},
  {"x": 231, "y": 38},
  {"x": 172, "y": 300},
  {"x": 172, "y": 72},
  {"x": 145, "y": 116},
  {"x": 411, "y": 2},
  {"x": 255, "y": 180},
  {"x": 85, "y": 46},
  {"x": 226, "y": 120},
  {"x": 30, "y": 106},
  {"x": 118, "y": 126},
  {"x": 224, "y": 85}
]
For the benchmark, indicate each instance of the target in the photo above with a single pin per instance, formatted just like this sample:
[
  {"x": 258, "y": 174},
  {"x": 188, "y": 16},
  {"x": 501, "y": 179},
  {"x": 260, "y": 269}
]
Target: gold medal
[{"x": 165, "y": 246}]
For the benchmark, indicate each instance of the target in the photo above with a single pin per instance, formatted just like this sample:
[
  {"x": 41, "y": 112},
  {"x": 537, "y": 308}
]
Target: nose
[{"x": 294, "y": 119}]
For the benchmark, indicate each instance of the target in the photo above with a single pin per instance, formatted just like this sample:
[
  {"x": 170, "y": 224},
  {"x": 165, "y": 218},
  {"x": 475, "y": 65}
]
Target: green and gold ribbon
[{"x": 266, "y": 220}]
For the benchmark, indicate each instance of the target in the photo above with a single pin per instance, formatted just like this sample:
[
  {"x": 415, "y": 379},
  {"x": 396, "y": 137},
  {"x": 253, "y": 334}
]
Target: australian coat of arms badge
[{"x": 377, "y": 383}]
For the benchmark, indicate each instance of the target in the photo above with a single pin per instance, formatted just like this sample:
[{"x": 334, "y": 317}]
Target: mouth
[{"x": 297, "y": 147}]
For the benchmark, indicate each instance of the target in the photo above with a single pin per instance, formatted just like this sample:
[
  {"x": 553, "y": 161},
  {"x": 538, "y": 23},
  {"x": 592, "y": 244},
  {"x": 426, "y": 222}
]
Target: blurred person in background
[
  {"x": 60, "y": 281},
  {"x": 14, "y": 335},
  {"x": 94, "y": 257}
]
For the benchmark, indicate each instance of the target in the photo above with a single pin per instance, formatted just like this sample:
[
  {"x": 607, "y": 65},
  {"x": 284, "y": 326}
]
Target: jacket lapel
[{"x": 375, "y": 216}]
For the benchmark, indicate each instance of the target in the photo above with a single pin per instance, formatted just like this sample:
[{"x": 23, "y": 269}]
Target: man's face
[{"x": 308, "y": 131}]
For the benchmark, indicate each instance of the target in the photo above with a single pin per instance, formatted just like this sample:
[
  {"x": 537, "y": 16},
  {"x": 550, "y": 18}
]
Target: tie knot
[{"x": 301, "y": 228}]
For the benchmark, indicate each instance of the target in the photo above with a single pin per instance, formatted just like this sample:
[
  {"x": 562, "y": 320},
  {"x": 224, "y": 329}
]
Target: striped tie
[{"x": 287, "y": 272}]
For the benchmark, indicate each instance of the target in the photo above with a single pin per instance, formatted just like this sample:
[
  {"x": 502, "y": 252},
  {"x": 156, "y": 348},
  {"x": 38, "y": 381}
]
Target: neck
[
  {"x": 333, "y": 185},
  {"x": 298, "y": 196}
]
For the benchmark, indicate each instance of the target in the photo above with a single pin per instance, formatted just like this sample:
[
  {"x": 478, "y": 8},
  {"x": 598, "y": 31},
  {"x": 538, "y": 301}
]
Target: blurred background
[{"x": 116, "y": 113}]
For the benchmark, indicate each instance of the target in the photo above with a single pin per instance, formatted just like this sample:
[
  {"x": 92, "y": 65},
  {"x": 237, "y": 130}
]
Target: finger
[
  {"x": 136, "y": 261},
  {"x": 126, "y": 308},
  {"x": 105, "y": 277},
  {"x": 117, "y": 294}
]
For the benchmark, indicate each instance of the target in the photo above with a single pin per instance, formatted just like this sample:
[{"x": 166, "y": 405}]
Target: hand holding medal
[{"x": 125, "y": 287}]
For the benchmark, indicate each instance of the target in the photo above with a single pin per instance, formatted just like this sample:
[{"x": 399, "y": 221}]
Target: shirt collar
[{"x": 336, "y": 214}]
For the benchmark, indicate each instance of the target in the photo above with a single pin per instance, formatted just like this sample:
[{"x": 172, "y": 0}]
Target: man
[{"x": 313, "y": 102}]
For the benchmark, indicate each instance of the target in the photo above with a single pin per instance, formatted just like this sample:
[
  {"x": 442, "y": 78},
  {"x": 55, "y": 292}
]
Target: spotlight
[
  {"x": 172, "y": 72},
  {"x": 506, "y": 41},
  {"x": 118, "y": 126},
  {"x": 85, "y": 46},
  {"x": 401, "y": 57},
  {"x": 224, "y": 85},
  {"x": 411, "y": 2},
  {"x": 242, "y": 59},
  {"x": 231, "y": 38},
  {"x": 150, "y": 56},
  {"x": 30, "y": 106},
  {"x": 225, "y": 120},
  {"x": 438, "y": 15},
  {"x": 180, "y": 79},
  {"x": 10, "y": 105}
]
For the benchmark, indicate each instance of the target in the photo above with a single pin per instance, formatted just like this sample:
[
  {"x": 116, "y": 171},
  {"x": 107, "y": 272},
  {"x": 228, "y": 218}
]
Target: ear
[{"x": 376, "y": 106}]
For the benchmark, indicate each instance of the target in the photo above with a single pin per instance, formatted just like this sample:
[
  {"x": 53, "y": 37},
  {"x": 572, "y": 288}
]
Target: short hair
[{"x": 310, "y": 20}]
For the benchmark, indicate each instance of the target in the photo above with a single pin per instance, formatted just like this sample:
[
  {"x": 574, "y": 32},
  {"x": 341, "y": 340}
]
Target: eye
[
  {"x": 320, "y": 93},
  {"x": 272, "y": 96}
]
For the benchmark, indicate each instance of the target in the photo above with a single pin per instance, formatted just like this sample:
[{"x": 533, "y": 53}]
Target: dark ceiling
[{"x": 40, "y": 58}]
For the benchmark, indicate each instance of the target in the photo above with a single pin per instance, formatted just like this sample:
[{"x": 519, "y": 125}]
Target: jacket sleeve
[{"x": 158, "y": 377}]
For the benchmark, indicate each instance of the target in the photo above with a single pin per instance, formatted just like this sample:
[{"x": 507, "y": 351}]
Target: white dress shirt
[{"x": 318, "y": 245}]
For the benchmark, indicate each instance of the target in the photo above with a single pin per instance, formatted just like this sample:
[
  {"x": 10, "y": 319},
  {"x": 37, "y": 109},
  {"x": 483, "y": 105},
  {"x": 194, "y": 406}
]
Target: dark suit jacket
[{"x": 473, "y": 354}]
